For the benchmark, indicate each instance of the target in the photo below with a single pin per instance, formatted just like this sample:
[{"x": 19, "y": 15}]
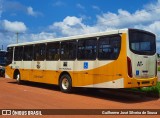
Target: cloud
[
  {"x": 124, "y": 19},
  {"x": 72, "y": 25},
  {"x": 153, "y": 27},
  {"x": 6, "y": 38},
  {"x": 1, "y": 8},
  {"x": 59, "y": 4},
  {"x": 31, "y": 12},
  {"x": 13, "y": 6},
  {"x": 80, "y": 6},
  {"x": 11, "y": 38},
  {"x": 96, "y": 7},
  {"x": 146, "y": 19},
  {"x": 14, "y": 26},
  {"x": 38, "y": 36}
]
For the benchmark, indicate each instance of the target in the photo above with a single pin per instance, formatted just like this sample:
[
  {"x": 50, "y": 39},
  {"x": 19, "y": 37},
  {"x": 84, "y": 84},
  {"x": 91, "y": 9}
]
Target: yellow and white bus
[{"x": 124, "y": 58}]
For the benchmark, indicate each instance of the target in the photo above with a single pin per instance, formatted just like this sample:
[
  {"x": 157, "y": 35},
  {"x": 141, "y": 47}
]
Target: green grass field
[{"x": 153, "y": 89}]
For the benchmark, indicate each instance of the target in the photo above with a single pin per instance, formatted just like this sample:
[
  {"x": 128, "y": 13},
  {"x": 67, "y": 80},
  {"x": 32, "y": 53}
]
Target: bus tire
[
  {"x": 18, "y": 78},
  {"x": 65, "y": 83}
]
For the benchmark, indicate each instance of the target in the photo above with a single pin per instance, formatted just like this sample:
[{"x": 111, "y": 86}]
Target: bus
[
  {"x": 3, "y": 55},
  {"x": 124, "y": 58}
]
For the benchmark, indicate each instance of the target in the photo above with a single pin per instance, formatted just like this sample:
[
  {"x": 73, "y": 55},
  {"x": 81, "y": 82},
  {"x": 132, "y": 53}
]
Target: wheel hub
[{"x": 65, "y": 84}]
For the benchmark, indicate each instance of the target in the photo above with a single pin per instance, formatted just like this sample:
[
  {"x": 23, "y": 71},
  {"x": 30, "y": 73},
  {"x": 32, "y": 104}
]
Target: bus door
[
  {"x": 18, "y": 56},
  {"x": 27, "y": 62},
  {"x": 39, "y": 63}
]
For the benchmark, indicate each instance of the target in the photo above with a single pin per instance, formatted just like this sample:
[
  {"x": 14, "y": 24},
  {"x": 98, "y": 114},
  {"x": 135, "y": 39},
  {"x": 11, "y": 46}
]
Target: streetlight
[{"x": 17, "y": 36}]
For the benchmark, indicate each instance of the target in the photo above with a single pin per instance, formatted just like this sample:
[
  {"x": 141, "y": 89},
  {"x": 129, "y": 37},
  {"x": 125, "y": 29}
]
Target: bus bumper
[{"x": 143, "y": 82}]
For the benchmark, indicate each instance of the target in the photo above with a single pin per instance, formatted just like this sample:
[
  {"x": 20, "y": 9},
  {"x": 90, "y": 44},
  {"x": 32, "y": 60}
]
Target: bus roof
[{"x": 72, "y": 37}]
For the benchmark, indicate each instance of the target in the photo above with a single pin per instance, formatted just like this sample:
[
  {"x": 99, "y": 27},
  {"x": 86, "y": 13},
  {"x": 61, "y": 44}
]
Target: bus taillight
[{"x": 129, "y": 64}]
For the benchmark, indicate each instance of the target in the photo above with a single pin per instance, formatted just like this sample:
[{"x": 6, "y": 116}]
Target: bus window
[
  {"x": 39, "y": 52},
  {"x": 68, "y": 50},
  {"x": 28, "y": 53},
  {"x": 52, "y": 51},
  {"x": 9, "y": 55},
  {"x": 3, "y": 58},
  {"x": 109, "y": 47},
  {"x": 87, "y": 49},
  {"x": 18, "y": 53},
  {"x": 142, "y": 43}
]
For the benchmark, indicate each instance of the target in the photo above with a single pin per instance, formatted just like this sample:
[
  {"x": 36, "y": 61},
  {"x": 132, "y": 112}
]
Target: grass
[{"x": 153, "y": 89}]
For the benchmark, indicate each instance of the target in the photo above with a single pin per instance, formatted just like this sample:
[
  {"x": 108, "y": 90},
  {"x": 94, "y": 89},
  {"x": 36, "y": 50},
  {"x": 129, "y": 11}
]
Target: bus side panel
[
  {"x": 122, "y": 63},
  {"x": 51, "y": 77},
  {"x": 98, "y": 75},
  {"x": 52, "y": 72},
  {"x": 25, "y": 70},
  {"x": 113, "y": 75},
  {"x": 9, "y": 72},
  {"x": 42, "y": 76},
  {"x": 47, "y": 73},
  {"x": 103, "y": 74}
]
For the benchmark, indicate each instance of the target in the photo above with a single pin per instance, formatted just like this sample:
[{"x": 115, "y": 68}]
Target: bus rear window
[{"x": 142, "y": 43}]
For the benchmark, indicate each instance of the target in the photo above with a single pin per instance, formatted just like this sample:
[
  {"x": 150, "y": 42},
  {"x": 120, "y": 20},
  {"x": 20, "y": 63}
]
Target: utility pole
[{"x": 17, "y": 37}]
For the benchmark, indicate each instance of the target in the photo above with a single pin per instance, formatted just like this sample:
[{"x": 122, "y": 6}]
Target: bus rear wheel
[{"x": 65, "y": 83}]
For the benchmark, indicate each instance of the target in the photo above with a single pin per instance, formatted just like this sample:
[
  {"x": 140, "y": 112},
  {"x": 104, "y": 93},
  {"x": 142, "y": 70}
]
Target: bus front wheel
[
  {"x": 65, "y": 83},
  {"x": 18, "y": 79}
]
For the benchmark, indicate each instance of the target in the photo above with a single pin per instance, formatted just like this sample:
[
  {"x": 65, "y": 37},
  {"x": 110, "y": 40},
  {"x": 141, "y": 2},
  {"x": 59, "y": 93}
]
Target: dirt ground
[{"x": 40, "y": 96}]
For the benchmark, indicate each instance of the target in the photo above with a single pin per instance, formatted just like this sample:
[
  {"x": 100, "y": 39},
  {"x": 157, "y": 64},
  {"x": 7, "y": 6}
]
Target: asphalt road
[{"x": 40, "y": 96}]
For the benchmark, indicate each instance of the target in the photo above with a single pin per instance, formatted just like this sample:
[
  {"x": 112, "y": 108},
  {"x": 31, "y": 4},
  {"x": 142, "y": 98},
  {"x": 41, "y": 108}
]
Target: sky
[{"x": 45, "y": 19}]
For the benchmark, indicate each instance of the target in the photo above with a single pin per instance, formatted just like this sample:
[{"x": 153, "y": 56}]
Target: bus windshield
[{"x": 142, "y": 43}]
